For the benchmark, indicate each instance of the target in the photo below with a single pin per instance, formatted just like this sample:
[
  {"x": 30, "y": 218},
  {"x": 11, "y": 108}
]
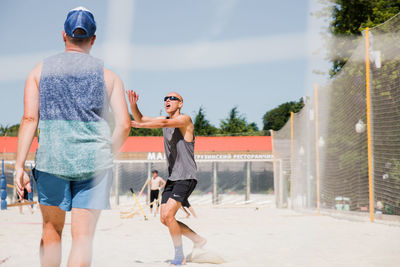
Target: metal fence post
[
  {"x": 248, "y": 181},
  {"x": 215, "y": 196},
  {"x": 148, "y": 179},
  {"x": 3, "y": 188},
  {"x": 369, "y": 127},
  {"x": 317, "y": 146},
  {"x": 116, "y": 183}
]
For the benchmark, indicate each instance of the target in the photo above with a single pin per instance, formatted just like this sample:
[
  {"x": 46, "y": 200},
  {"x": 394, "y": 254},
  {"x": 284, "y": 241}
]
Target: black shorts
[
  {"x": 153, "y": 196},
  {"x": 179, "y": 190},
  {"x": 186, "y": 203},
  {"x": 26, "y": 196}
]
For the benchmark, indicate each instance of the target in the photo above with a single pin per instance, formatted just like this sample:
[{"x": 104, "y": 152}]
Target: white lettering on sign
[
  {"x": 228, "y": 156},
  {"x": 160, "y": 156},
  {"x": 151, "y": 156}
]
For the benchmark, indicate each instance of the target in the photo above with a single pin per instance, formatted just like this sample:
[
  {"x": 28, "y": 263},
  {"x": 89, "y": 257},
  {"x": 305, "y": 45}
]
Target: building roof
[{"x": 156, "y": 144}]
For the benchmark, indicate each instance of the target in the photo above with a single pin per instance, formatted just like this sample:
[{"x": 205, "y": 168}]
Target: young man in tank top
[
  {"x": 156, "y": 184},
  {"x": 178, "y": 131},
  {"x": 68, "y": 97}
]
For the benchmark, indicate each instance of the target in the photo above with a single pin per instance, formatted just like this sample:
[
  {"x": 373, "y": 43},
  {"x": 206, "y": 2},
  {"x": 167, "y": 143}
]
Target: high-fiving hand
[
  {"x": 133, "y": 97},
  {"x": 21, "y": 181},
  {"x": 135, "y": 124}
]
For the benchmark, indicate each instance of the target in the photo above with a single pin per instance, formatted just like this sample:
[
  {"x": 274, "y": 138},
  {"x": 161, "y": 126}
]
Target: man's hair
[
  {"x": 79, "y": 41},
  {"x": 154, "y": 171}
]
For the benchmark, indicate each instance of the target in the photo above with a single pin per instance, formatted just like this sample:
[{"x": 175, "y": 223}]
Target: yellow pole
[
  {"x": 291, "y": 159},
  {"x": 137, "y": 202},
  {"x": 369, "y": 133},
  {"x": 317, "y": 146}
]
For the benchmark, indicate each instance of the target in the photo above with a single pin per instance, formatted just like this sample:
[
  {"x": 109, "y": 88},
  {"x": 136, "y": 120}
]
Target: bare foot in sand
[{"x": 200, "y": 243}]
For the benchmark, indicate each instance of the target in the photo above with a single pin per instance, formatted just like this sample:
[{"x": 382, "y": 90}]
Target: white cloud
[
  {"x": 203, "y": 55},
  {"x": 17, "y": 67},
  {"x": 223, "y": 14},
  {"x": 119, "y": 29},
  {"x": 200, "y": 55}
]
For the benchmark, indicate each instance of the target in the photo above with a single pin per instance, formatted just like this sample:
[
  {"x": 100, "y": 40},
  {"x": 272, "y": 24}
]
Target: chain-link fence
[{"x": 342, "y": 150}]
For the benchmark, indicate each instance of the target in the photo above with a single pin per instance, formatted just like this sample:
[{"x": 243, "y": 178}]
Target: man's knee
[
  {"x": 52, "y": 231},
  {"x": 167, "y": 218},
  {"x": 162, "y": 220}
]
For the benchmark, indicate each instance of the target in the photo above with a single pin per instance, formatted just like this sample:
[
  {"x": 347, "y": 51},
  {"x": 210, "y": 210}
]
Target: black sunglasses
[{"x": 172, "y": 98}]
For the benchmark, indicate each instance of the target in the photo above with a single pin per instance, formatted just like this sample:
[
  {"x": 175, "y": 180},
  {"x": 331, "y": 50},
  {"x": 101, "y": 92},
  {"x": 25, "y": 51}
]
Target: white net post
[
  {"x": 215, "y": 193},
  {"x": 282, "y": 188},
  {"x": 116, "y": 183},
  {"x": 148, "y": 179},
  {"x": 247, "y": 197}
]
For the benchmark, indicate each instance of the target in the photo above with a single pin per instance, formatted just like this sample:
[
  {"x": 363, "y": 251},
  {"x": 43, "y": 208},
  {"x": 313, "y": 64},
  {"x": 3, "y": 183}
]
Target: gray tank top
[
  {"x": 180, "y": 155},
  {"x": 74, "y": 134}
]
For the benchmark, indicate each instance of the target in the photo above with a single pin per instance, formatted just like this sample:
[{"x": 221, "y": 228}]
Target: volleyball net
[
  {"x": 342, "y": 150},
  {"x": 220, "y": 182}
]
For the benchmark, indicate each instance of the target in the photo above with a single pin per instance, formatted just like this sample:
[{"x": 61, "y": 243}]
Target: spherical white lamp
[{"x": 360, "y": 126}]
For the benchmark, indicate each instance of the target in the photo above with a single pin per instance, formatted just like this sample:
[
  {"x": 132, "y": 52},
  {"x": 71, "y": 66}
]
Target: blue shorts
[{"x": 93, "y": 193}]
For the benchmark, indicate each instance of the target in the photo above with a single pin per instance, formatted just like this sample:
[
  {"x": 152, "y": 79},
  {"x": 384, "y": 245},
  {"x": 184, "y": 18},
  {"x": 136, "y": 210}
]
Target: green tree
[
  {"x": 348, "y": 18},
  {"x": 276, "y": 118},
  {"x": 236, "y": 124},
  {"x": 6, "y": 130},
  {"x": 252, "y": 127},
  {"x": 144, "y": 131},
  {"x": 202, "y": 127}
]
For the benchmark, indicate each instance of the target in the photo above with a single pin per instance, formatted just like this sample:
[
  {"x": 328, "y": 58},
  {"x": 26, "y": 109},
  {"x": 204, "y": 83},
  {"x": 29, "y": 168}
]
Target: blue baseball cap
[{"x": 80, "y": 18}]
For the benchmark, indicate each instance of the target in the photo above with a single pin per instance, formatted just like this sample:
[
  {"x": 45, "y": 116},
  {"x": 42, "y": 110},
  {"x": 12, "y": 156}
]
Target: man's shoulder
[
  {"x": 186, "y": 118},
  {"x": 110, "y": 76},
  {"x": 36, "y": 72}
]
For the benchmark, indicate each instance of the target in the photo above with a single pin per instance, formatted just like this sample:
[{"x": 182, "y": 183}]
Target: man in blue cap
[{"x": 68, "y": 97}]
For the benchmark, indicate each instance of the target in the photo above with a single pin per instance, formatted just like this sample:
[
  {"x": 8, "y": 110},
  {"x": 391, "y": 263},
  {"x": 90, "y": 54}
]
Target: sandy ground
[{"x": 242, "y": 235}]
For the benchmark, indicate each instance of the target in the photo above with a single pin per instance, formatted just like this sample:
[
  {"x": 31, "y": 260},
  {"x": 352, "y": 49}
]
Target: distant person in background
[
  {"x": 156, "y": 184},
  {"x": 186, "y": 204},
  {"x": 179, "y": 139},
  {"x": 68, "y": 97},
  {"x": 19, "y": 200}
]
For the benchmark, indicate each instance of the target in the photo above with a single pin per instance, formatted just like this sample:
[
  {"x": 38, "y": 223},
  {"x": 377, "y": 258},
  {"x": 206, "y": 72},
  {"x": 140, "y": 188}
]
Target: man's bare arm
[
  {"x": 144, "y": 186},
  {"x": 178, "y": 122},
  {"x": 119, "y": 108},
  {"x": 133, "y": 98},
  {"x": 163, "y": 183},
  {"x": 27, "y": 128}
]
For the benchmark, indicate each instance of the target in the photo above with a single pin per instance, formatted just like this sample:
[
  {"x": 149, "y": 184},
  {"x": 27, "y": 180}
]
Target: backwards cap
[{"x": 80, "y": 18}]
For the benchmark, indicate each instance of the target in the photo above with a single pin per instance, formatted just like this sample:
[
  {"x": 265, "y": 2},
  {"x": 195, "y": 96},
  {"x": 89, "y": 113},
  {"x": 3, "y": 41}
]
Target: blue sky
[{"x": 217, "y": 53}]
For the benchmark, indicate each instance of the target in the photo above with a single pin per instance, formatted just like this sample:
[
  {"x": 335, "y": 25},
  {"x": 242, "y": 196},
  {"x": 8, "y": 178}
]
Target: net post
[
  {"x": 248, "y": 181},
  {"x": 369, "y": 129},
  {"x": 282, "y": 188},
  {"x": 291, "y": 159},
  {"x": 317, "y": 146},
  {"x": 276, "y": 187},
  {"x": 215, "y": 197},
  {"x": 116, "y": 172},
  {"x": 3, "y": 187},
  {"x": 148, "y": 179}
]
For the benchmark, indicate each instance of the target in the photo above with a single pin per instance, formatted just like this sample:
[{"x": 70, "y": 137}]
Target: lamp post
[
  {"x": 303, "y": 171},
  {"x": 360, "y": 128},
  {"x": 321, "y": 142}
]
